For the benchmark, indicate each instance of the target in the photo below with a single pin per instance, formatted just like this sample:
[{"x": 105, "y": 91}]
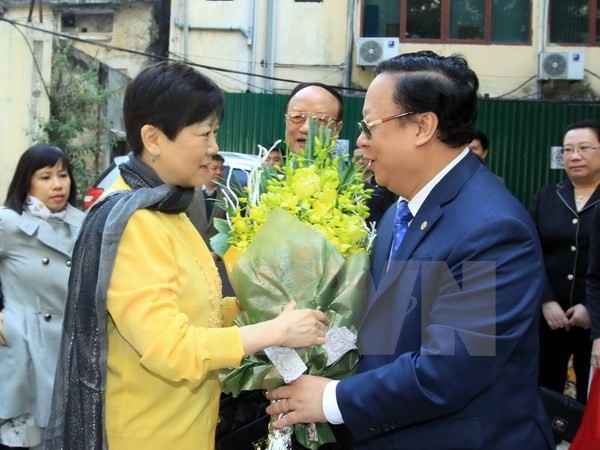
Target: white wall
[
  {"x": 23, "y": 99},
  {"x": 134, "y": 29},
  {"x": 310, "y": 45},
  {"x": 309, "y": 40}
]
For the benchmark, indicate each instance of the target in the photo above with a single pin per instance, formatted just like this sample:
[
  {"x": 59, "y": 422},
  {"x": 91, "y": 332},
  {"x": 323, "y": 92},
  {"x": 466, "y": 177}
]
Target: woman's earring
[{"x": 153, "y": 159}]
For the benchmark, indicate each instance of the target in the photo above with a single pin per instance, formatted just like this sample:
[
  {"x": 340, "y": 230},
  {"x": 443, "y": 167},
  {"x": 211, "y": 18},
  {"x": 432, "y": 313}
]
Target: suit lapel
[
  {"x": 201, "y": 207},
  {"x": 216, "y": 209},
  {"x": 595, "y": 198},
  {"x": 381, "y": 249},
  {"x": 197, "y": 212},
  {"x": 566, "y": 193},
  {"x": 428, "y": 215}
]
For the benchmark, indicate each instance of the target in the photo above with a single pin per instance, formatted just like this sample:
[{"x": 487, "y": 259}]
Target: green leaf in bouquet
[
  {"x": 351, "y": 292},
  {"x": 255, "y": 373},
  {"x": 267, "y": 174},
  {"x": 220, "y": 242},
  {"x": 287, "y": 260},
  {"x": 347, "y": 172},
  {"x": 344, "y": 367},
  {"x": 323, "y": 431},
  {"x": 319, "y": 143},
  {"x": 309, "y": 148},
  {"x": 221, "y": 225}
]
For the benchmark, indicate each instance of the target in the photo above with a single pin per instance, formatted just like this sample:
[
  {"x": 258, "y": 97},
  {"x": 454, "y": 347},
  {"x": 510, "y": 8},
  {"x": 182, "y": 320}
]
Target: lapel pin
[{"x": 423, "y": 225}]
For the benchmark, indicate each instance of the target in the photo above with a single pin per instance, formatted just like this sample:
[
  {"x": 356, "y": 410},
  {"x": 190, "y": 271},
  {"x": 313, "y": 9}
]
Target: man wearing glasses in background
[
  {"x": 314, "y": 100},
  {"x": 449, "y": 336}
]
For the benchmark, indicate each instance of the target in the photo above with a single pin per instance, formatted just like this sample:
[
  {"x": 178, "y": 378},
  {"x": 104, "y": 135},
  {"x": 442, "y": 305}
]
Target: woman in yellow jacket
[{"x": 143, "y": 339}]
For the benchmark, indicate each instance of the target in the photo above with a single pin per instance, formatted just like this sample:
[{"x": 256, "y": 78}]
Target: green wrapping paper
[{"x": 288, "y": 260}]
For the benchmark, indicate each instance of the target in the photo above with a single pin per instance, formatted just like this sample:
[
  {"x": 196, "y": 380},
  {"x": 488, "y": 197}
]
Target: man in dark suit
[
  {"x": 449, "y": 337},
  {"x": 204, "y": 209},
  {"x": 480, "y": 145}
]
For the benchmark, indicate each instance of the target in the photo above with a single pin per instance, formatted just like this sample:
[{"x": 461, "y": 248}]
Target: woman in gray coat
[{"x": 38, "y": 228}]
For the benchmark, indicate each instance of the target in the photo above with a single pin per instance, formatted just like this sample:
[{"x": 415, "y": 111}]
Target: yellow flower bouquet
[{"x": 299, "y": 232}]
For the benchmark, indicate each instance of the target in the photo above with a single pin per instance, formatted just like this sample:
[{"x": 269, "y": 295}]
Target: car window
[
  {"x": 238, "y": 180},
  {"x": 241, "y": 176}
]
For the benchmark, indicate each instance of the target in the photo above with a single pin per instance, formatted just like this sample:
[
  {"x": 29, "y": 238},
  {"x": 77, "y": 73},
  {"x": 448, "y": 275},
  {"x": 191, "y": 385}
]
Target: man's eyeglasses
[
  {"x": 365, "y": 127},
  {"x": 582, "y": 150},
  {"x": 298, "y": 117}
]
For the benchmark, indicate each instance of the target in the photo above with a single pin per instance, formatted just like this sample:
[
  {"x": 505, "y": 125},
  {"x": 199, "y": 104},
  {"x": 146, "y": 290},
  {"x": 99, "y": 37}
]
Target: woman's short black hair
[
  {"x": 35, "y": 158},
  {"x": 170, "y": 96}
]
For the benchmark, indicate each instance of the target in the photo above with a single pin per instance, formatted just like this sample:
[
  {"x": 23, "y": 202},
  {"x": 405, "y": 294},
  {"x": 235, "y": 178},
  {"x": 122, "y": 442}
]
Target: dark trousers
[{"x": 556, "y": 347}]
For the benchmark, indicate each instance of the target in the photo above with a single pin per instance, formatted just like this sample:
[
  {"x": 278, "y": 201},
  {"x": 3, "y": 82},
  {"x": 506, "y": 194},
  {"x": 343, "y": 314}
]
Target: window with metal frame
[
  {"x": 574, "y": 22},
  {"x": 464, "y": 21}
]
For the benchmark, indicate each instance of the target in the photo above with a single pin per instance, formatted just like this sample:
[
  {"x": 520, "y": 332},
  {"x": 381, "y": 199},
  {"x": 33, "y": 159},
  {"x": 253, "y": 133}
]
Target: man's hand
[
  {"x": 300, "y": 401},
  {"x": 555, "y": 316},
  {"x": 579, "y": 316}
]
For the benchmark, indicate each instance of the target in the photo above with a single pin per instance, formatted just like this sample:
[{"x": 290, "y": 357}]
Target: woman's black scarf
[{"x": 77, "y": 415}]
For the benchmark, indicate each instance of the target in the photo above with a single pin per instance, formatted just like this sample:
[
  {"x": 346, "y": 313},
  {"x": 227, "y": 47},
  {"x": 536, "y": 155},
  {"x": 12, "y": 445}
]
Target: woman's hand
[
  {"x": 2, "y": 341},
  {"x": 555, "y": 316},
  {"x": 292, "y": 328},
  {"x": 301, "y": 327},
  {"x": 579, "y": 316}
]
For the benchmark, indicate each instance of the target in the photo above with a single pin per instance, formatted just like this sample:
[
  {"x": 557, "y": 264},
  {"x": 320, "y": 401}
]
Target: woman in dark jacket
[{"x": 563, "y": 217}]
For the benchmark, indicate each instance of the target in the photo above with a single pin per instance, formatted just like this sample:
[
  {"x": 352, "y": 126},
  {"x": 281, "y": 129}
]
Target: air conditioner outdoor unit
[
  {"x": 561, "y": 66},
  {"x": 371, "y": 51}
]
